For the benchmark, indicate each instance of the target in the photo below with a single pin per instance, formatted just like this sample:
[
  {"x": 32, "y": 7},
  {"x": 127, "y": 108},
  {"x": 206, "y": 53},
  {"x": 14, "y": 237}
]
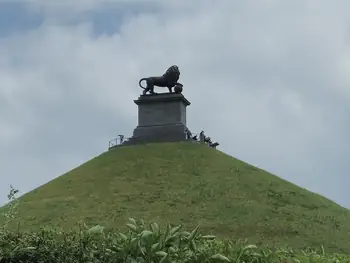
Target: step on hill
[{"x": 191, "y": 184}]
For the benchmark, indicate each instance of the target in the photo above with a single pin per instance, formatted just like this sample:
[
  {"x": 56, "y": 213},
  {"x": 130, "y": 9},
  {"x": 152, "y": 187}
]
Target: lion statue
[{"x": 168, "y": 80}]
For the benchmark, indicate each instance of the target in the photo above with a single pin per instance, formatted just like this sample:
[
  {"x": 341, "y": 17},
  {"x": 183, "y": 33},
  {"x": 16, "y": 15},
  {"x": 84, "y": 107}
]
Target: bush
[{"x": 142, "y": 243}]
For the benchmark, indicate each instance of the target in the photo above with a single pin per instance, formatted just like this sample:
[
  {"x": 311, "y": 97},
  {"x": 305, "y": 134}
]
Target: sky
[{"x": 269, "y": 80}]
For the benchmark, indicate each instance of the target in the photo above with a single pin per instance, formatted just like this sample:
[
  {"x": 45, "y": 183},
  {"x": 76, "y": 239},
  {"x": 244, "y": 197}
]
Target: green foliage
[
  {"x": 11, "y": 212},
  {"x": 142, "y": 244}
]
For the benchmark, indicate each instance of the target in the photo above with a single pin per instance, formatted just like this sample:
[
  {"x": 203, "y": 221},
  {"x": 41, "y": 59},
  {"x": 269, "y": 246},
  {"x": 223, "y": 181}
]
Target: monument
[{"x": 161, "y": 116}]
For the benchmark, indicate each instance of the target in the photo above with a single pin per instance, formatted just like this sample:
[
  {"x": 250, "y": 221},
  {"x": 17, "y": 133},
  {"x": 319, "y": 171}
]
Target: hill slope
[{"x": 190, "y": 184}]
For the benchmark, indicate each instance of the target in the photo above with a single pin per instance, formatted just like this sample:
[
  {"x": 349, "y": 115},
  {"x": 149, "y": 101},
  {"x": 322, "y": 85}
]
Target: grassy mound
[{"x": 190, "y": 184}]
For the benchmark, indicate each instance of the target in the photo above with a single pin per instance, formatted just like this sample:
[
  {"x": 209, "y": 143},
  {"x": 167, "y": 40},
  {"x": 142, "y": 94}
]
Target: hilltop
[{"x": 191, "y": 184}]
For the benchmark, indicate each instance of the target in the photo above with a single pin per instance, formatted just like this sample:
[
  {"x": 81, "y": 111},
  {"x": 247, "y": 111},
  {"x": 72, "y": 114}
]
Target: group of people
[{"x": 202, "y": 138}]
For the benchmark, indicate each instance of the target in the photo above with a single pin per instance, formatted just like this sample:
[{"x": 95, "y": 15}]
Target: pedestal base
[
  {"x": 161, "y": 132},
  {"x": 161, "y": 118}
]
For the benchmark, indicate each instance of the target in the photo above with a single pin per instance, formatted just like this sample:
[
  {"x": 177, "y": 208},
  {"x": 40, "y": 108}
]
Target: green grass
[{"x": 190, "y": 184}]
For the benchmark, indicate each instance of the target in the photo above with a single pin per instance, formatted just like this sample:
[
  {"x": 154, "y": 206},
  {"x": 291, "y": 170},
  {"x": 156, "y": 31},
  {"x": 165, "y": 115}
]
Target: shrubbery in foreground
[{"x": 141, "y": 244}]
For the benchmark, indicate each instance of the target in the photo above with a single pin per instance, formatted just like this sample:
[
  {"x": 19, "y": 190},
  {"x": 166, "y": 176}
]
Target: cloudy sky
[{"x": 269, "y": 79}]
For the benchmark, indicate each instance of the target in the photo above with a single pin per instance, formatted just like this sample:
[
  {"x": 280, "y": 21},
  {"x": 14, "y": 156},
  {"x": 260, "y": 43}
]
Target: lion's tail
[{"x": 140, "y": 83}]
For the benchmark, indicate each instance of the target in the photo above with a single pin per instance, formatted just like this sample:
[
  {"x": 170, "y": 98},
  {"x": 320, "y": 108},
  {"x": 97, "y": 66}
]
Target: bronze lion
[{"x": 168, "y": 80}]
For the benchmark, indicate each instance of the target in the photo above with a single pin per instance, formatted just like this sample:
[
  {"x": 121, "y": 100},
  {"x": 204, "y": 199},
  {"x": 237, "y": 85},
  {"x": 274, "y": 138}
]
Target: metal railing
[{"x": 117, "y": 141}]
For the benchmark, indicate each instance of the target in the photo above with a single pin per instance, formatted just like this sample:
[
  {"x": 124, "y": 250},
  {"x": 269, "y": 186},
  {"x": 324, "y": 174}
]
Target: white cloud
[{"x": 273, "y": 74}]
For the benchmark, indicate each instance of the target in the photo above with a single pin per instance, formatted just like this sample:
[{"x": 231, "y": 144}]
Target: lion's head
[{"x": 172, "y": 73}]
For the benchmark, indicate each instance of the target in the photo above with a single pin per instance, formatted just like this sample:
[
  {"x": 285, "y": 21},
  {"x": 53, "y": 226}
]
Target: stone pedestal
[{"x": 161, "y": 118}]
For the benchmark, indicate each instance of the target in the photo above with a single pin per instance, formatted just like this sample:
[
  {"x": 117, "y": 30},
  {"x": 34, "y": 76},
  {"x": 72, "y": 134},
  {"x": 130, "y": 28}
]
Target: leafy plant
[
  {"x": 142, "y": 243},
  {"x": 11, "y": 212}
]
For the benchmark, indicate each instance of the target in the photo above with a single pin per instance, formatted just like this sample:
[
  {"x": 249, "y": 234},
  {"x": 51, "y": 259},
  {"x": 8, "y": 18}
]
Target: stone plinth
[{"x": 161, "y": 118}]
